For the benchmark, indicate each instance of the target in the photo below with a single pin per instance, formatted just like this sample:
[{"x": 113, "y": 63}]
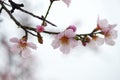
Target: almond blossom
[
  {"x": 110, "y": 34},
  {"x": 67, "y": 2},
  {"x": 22, "y": 46},
  {"x": 107, "y": 30},
  {"x": 96, "y": 41},
  {"x": 65, "y": 40}
]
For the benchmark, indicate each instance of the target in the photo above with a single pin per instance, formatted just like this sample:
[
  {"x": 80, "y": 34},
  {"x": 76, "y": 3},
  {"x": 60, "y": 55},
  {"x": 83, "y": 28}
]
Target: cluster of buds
[{"x": 104, "y": 32}]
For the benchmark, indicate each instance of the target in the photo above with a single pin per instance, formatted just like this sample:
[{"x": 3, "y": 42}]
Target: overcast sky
[{"x": 102, "y": 63}]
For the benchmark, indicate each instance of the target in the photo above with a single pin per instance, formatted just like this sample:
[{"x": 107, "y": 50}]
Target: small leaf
[{"x": 39, "y": 37}]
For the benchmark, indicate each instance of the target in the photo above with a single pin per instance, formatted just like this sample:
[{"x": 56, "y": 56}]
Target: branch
[
  {"x": 33, "y": 15},
  {"x": 25, "y": 28}
]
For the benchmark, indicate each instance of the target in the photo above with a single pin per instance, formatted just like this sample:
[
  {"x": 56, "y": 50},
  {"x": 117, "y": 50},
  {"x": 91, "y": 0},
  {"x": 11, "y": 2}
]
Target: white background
[{"x": 102, "y": 63}]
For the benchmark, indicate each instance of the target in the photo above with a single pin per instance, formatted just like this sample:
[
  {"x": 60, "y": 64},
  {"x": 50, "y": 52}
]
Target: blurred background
[{"x": 45, "y": 63}]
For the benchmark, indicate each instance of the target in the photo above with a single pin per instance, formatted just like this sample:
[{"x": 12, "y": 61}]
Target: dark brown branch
[
  {"x": 27, "y": 12},
  {"x": 15, "y": 5},
  {"x": 20, "y": 25},
  {"x": 27, "y": 28},
  {"x": 11, "y": 16},
  {"x": 30, "y": 13}
]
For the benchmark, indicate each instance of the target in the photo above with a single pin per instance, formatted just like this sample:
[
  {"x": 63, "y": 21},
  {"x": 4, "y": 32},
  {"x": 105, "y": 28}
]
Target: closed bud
[{"x": 39, "y": 37}]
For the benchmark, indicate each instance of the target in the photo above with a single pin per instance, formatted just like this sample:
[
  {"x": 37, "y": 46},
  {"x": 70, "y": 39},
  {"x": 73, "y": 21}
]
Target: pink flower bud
[
  {"x": 40, "y": 28},
  {"x": 72, "y": 27}
]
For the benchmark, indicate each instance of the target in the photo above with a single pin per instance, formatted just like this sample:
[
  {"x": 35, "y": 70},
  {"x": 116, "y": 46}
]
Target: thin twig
[
  {"x": 20, "y": 25},
  {"x": 30, "y": 13}
]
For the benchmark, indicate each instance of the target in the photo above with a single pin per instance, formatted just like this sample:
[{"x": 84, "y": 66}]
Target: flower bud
[{"x": 72, "y": 27}]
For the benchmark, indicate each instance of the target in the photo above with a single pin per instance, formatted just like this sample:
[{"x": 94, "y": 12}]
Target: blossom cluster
[
  {"x": 65, "y": 40},
  {"x": 68, "y": 39}
]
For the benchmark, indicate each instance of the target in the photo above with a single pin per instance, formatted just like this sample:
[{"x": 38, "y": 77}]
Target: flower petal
[
  {"x": 99, "y": 41},
  {"x": 69, "y": 33},
  {"x": 15, "y": 48},
  {"x": 73, "y": 43},
  {"x": 15, "y": 40},
  {"x": 60, "y": 35},
  {"x": 72, "y": 27},
  {"x": 67, "y": 2},
  {"x": 92, "y": 44},
  {"x": 55, "y": 43},
  {"x": 26, "y": 53},
  {"x": 65, "y": 49},
  {"x": 103, "y": 23},
  {"x": 112, "y": 26},
  {"x": 109, "y": 41},
  {"x": 31, "y": 45},
  {"x": 113, "y": 34}
]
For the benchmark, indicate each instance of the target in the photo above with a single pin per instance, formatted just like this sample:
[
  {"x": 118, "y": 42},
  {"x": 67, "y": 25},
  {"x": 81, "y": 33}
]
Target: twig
[
  {"x": 33, "y": 15},
  {"x": 20, "y": 25}
]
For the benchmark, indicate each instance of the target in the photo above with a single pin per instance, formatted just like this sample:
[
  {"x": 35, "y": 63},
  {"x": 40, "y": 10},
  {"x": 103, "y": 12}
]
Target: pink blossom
[
  {"x": 39, "y": 28},
  {"x": 72, "y": 27},
  {"x": 102, "y": 23},
  {"x": 96, "y": 41},
  {"x": 107, "y": 30},
  {"x": 67, "y": 2},
  {"x": 22, "y": 46},
  {"x": 110, "y": 34},
  {"x": 65, "y": 40}
]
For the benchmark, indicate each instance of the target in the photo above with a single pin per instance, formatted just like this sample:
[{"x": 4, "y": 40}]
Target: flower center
[
  {"x": 64, "y": 40},
  {"x": 107, "y": 34},
  {"x": 95, "y": 38},
  {"x": 22, "y": 44}
]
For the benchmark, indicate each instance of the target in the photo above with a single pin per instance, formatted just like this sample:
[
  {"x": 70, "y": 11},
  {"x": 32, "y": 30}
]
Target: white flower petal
[
  {"x": 15, "y": 40},
  {"x": 112, "y": 26},
  {"x": 73, "y": 43},
  {"x": 31, "y": 45},
  {"x": 99, "y": 41},
  {"x": 109, "y": 41},
  {"x": 26, "y": 53},
  {"x": 55, "y": 43},
  {"x": 65, "y": 49},
  {"x": 60, "y": 35},
  {"x": 103, "y": 23},
  {"x": 69, "y": 33},
  {"x": 92, "y": 44},
  {"x": 15, "y": 48},
  {"x": 113, "y": 34}
]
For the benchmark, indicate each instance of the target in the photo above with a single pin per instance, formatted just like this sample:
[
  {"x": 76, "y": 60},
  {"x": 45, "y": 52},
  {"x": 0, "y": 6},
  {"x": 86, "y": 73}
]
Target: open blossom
[
  {"x": 39, "y": 28},
  {"x": 110, "y": 34},
  {"x": 96, "y": 41},
  {"x": 107, "y": 30},
  {"x": 67, "y": 2},
  {"x": 22, "y": 46},
  {"x": 65, "y": 40}
]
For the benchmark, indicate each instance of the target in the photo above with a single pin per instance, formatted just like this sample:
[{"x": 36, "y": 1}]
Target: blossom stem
[{"x": 44, "y": 19}]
